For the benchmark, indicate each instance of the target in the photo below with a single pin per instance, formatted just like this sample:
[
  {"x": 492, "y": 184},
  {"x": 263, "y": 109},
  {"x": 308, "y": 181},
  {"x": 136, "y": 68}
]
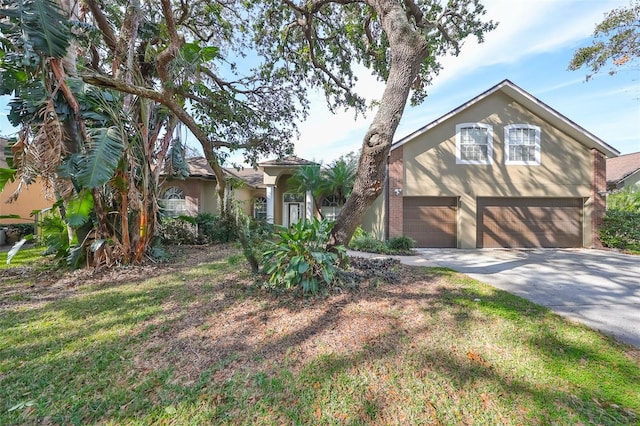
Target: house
[
  {"x": 35, "y": 196},
  {"x": 623, "y": 172},
  {"x": 502, "y": 170},
  {"x": 263, "y": 193}
]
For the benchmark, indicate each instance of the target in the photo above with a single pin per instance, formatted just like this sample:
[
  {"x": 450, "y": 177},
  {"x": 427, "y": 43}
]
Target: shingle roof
[
  {"x": 199, "y": 168},
  {"x": 252, "y": 177},
  {"x": 290, "y": 160},
  {"x": 621, "y": 167}
]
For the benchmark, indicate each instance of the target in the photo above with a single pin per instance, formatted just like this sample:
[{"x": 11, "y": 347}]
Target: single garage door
[
  {"x": 529, "y": 222},
  {"x": 431, "y": 221}
]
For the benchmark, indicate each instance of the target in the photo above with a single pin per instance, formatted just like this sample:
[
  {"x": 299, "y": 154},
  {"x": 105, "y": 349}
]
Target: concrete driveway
[{"x": 598, "y": 288}]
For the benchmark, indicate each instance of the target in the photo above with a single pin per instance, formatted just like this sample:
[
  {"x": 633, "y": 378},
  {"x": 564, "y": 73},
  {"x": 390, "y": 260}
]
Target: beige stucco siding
[
  {"x": 430, "y": 167},
  {"x": 374, "y": 219}
]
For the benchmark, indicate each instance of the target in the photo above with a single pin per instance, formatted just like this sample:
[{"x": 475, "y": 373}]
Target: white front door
[{"x": 293, "y": 213}]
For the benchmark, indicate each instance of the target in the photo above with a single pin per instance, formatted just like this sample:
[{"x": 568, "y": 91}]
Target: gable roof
[
  {"x": 290, "y": 160},
  {"x": 534, "y": 105},
  {"x": 199, "y": 168},
  {"x": 620, "y": 168}
]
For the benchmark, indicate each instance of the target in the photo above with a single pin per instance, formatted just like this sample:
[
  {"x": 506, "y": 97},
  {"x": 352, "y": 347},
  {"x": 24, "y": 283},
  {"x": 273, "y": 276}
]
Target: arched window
[
  {"x": 173, "y": 202},
  {"x": 260, "y": 208},
  {"x": 330, "y": 208}
]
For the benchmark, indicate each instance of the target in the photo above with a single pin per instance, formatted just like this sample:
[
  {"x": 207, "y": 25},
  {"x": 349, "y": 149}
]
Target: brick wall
[
  {"x": 598, "y": 188},
  {"x": 396, "y": 181}
]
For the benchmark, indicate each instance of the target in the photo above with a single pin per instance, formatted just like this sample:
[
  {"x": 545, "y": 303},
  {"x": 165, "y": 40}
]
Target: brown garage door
[
  {"x": 431, "y": 221},
  {"x": 529, "y": 222}
]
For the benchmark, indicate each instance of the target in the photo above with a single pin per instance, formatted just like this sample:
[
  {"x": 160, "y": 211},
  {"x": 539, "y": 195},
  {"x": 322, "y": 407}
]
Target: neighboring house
[
  {"x": 623, "y": 172},
  {"x": 502, "y": 170},
  {"x": 35, "y": 196},
  {"x": 263, "y": 193}
]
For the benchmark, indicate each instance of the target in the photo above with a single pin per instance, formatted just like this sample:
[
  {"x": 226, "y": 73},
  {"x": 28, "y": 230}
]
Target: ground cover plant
[{"x": 196, "y": 341}]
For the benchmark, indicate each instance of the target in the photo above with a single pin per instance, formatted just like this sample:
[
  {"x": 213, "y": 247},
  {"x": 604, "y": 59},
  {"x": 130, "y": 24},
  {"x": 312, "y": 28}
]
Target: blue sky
[{"x": 532, "y": 47}]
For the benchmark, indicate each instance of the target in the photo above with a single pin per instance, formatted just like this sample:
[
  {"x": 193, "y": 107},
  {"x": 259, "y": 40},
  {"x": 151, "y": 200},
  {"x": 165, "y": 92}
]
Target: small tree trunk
[{"x": 408, "y": 50}]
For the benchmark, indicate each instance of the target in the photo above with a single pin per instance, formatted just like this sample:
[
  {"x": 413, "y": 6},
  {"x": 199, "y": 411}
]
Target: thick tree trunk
[{"x": 408, "y": 50}]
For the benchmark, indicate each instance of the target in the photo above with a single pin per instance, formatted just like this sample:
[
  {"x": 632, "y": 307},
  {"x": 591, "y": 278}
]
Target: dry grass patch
[{"x": 197, "y": 342}]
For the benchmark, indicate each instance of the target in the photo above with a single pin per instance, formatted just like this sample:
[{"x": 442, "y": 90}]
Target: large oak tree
[{"x": 400, "y": 41}]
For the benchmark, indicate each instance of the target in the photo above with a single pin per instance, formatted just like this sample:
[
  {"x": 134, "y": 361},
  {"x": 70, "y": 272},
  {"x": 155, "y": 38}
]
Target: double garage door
[{"x": 500, "y": 222}]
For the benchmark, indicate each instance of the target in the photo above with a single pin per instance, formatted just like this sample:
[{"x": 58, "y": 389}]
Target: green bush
[
  {"x": 626, "y": 200},
  {"x": 17, "y": 231},
  {"x": 217, "y": 229},
  {"x": 401, "y": 244},
  {"x": 181, "y": 230},
  {"x": 367, "y": 243},
  {"x": 254, "y": 235},
  {"x": 621, "y": 229},
  {"x": 298, "y": 257}
]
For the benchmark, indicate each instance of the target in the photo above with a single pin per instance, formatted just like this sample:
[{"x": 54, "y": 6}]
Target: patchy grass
[
  {"x": 24, "y": 257},
  {"x": 200, "y": 344}
]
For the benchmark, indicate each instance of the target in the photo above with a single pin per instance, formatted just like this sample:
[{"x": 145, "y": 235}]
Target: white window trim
[
  {"x": 489, "y": 128},
  {"x": 536, "y": 161}
]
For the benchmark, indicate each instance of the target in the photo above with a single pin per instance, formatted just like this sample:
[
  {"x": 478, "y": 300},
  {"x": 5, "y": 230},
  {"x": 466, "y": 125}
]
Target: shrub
[
  {"x": 369, "y": 244},
  {"x": 621, "y": 229},
  {"x": 298, "y": 257},
  {"x": 253, "y": 235},
  {"x": 17, "y": 231},
  {"x": 401, "y": 244},
  {"x": 217, "y": 229},
  {"x": 626, "y": 200},
  {"x": 180, "y": 231}
]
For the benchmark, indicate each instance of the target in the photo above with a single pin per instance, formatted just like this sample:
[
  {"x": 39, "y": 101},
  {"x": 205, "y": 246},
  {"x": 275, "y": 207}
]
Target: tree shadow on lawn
[{"x": 183, "y": 339}]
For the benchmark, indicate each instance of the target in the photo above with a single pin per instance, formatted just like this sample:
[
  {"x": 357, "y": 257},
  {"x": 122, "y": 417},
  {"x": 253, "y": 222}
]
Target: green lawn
[{"x": 202, "y": 345}]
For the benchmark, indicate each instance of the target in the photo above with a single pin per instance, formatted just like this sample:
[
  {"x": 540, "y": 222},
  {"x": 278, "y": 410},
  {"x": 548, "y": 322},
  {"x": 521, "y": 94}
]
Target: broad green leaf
[
  {"x": 209, "y": 53},
  {"x": 6, "y": 175},
  {"x": 99, "y": 164},
  {"x": 79, "y": 209}
]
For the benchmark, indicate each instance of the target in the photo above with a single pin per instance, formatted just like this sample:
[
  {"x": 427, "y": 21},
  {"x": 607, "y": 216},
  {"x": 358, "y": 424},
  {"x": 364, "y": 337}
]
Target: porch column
[
  {"x": 270, "y": 203},
  {"x": 309, "y": 205}
]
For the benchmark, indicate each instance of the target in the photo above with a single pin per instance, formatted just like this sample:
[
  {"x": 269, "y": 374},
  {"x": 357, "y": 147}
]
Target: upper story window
[
  {"x": 474, "y": 143},
  {"x": 522, "y": 144},
  {"x": 260, "y": 208},
  {"x": 173, "y": 202}
]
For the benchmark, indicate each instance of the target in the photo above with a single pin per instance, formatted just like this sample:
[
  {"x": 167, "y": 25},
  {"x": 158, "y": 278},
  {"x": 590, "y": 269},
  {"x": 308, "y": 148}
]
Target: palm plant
[
  {"x": 308, "y": 178},
  {"x": 338, "y": 179}
]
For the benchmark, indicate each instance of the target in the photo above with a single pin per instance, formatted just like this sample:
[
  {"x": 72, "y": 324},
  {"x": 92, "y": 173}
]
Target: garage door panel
[
  {"x": 431, "y": 221},
  {"x": 529, "y": 222}
]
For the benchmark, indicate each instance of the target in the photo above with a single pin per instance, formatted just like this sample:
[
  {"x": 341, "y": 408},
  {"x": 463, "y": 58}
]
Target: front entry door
[
  {"x": 294, "y": 211},
  {"x": 293, "y": 208}
]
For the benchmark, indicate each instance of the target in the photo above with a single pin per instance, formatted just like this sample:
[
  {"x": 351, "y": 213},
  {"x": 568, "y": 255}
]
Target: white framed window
[
  {"x": 331, "y": 207},
  {"x": 260, "y": 208},
  {"x": 522, "y": 144},
  {"x": 173, "y": 202},
  {"x": 474, "y": 143}
]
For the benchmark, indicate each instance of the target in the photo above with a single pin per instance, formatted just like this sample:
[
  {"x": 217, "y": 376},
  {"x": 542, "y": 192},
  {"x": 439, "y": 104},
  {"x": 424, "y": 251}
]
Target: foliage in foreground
[
  {"x": 442, "y": 349},
  {"x": 298, "y": 256}
]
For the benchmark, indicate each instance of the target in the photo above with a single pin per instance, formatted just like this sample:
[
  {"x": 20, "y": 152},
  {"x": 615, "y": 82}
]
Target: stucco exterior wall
[
  {"x": 374, "y": 219},
  {"x": 33, "y": 197},
  {"x": 430, "y": 167}
]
